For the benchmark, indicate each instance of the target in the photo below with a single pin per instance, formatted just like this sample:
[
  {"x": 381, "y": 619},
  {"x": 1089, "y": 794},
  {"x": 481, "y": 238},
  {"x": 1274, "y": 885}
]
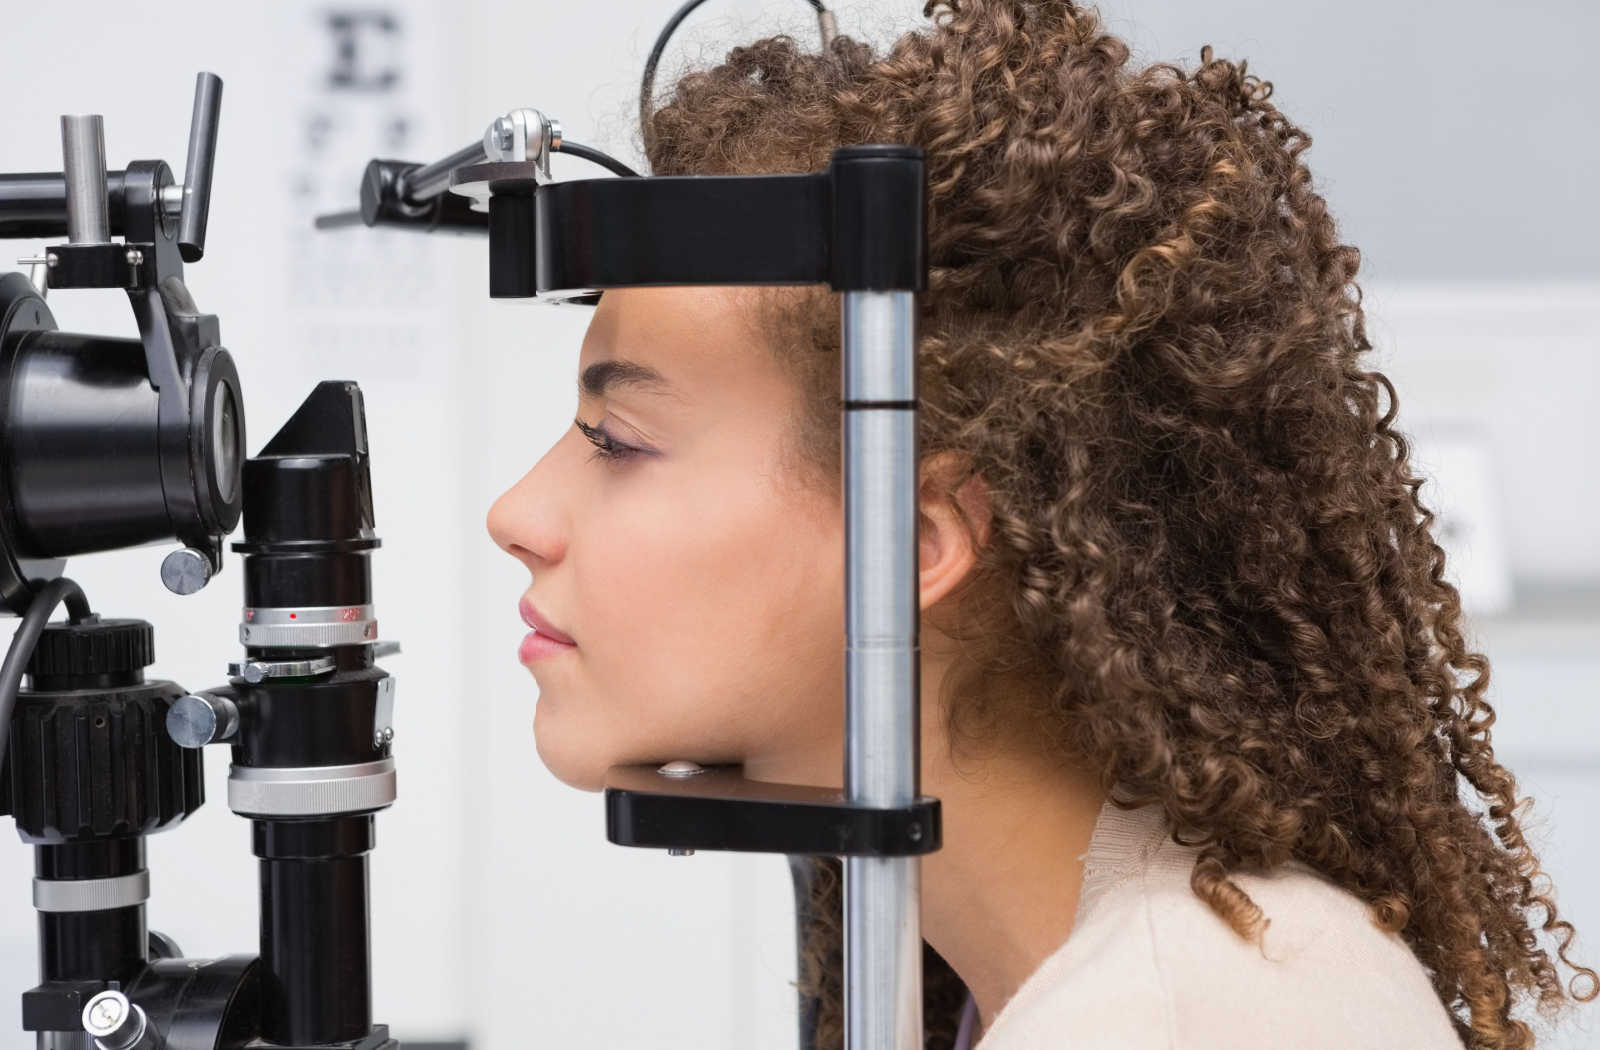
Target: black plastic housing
[
  {"x": 719, "y": 809},
  {"x": 858, "y": 226}
]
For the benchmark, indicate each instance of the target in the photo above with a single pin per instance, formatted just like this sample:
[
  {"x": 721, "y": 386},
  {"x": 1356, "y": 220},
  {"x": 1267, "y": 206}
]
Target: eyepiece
[{"x": 85, "y": 464}]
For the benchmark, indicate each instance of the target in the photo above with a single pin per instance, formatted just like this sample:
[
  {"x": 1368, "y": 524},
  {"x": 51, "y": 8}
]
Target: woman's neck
[{"x": 1000, "y": 896}]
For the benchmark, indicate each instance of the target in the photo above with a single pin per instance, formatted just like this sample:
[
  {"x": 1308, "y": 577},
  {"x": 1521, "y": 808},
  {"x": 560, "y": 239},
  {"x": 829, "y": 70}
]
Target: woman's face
[{"x": 700, "y": 576}]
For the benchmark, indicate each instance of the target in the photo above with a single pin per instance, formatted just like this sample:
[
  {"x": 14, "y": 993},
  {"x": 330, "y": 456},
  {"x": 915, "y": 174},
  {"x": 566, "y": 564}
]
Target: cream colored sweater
[{"x": 1149, "y": 966}]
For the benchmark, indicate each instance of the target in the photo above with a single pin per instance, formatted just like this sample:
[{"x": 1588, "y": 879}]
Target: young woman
[{"x": 1197, "y": 700}]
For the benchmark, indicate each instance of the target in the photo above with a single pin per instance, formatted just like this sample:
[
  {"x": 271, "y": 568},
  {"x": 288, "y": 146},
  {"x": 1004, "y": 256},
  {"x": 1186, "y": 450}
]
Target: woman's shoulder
[{"x": 1150, "y": 965}]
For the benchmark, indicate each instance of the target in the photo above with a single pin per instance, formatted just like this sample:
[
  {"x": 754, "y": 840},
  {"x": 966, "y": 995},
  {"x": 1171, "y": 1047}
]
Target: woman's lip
[
  {"x": 536, "y": 646},
  {"x": 531, "y": 617}
]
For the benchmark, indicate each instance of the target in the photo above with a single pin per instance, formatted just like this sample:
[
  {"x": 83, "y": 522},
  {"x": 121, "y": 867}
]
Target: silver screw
[
  {"x": 680, "y": 768},
  {"x": 52, "y": 260},
  {"x": 106, "y": 1013},
  {"x": 505, "y": 133},
  {"x": 135, "y": 257},
  {"x": 38, "y": 274}
]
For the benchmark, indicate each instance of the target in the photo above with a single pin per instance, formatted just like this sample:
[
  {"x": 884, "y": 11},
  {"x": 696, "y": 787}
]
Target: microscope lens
[{"x": 225, "y": 440}]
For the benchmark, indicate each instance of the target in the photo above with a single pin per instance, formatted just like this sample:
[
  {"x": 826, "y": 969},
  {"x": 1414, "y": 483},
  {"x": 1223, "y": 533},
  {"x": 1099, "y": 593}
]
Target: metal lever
[
  {"x": 197, "y": 169},
  {"x": 258, "y": 671},
  {"x": 421, "y": 185}
]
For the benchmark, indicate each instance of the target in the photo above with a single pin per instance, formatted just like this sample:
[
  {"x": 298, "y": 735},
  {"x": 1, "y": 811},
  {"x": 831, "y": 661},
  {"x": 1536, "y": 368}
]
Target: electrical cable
[
  {"x": 27, "y": 637},
  {"x": 611, "y": 164}
]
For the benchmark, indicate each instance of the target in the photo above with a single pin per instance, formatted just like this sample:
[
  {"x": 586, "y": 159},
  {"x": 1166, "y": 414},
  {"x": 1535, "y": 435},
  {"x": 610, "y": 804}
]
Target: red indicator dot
[{"x": 293, "y": 615}]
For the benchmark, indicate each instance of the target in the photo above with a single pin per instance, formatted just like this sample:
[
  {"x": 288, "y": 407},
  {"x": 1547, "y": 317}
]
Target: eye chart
[{"x": 364, "y": 82}]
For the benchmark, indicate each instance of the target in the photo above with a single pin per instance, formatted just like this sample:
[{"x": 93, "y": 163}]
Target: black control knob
[
  {"x": 89, "y": 756},
  {"x": 91, "y": 654}
]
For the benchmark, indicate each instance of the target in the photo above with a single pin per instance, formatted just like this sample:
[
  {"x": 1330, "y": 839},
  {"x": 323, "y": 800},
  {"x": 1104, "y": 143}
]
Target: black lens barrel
[
  {"x": 308, "y": 526},
  {"x": 93, "y": 456}
]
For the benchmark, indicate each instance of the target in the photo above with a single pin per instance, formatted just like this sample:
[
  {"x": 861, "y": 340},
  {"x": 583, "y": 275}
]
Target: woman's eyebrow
[{"x": 603, "y": 375}]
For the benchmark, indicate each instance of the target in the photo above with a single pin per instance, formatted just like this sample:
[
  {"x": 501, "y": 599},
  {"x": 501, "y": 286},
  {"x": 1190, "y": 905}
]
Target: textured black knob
[
  {"x": 102, "y": 647},
  {"x": 86, "y": 766},
  {"x": 89, "y": 756}
]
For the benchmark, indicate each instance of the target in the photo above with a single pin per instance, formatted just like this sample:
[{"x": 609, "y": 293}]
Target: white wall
[{"x": 498, "y": 908}]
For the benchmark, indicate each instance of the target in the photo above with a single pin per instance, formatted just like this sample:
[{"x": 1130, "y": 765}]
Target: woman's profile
[{"x": 1213, "y": 753}]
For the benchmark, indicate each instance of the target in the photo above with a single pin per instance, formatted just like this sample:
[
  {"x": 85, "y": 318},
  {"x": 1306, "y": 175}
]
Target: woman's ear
[{"x": 945, "y": 554}]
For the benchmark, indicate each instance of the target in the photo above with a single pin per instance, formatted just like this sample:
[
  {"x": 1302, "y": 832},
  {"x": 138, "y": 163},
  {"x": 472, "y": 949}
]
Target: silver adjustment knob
[
  {"x": 186, "y": 571},
  {"x": 252, "y": 671},
  {"x": 115, "y": 1023},
  {"x": 199, "y": 719}
]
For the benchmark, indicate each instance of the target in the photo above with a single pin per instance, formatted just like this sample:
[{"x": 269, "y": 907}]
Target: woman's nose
[{"x": 528, "y": 521}]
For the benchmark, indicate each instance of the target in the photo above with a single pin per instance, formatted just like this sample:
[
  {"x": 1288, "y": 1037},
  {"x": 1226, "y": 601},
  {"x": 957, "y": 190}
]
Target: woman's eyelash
[{"x": 606, "y": 447}]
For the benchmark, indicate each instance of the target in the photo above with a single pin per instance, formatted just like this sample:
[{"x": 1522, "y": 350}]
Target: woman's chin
[
  {"x": 569, "y": 761},
  {"x": 575, "y": 771}
]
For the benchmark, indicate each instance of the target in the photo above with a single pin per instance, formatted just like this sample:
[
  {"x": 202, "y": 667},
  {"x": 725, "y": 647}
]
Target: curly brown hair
[{"x": 1208, "y": 555}]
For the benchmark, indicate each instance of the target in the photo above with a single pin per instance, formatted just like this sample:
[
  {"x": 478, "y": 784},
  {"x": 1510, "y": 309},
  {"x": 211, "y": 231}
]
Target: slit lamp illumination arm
[{"x": 417, "y": 196}]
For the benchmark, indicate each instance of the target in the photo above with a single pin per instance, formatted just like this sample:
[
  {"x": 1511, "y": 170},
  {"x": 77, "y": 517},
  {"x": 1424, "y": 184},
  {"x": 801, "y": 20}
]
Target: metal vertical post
[
  {"x": 882, "y": 896},
  {"x": 83, "y": 155}
]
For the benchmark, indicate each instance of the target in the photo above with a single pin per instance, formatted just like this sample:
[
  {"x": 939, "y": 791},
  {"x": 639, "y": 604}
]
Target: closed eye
[{"x": 606, "y": 447}]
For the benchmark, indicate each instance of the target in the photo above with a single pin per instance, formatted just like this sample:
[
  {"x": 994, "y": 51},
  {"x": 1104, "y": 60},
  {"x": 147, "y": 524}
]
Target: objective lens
[{"x": 225, "y": 440}]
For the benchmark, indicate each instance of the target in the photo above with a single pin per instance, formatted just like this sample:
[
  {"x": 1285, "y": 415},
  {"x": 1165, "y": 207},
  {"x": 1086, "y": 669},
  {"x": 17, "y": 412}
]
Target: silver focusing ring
[
  {"x": 311, "y": 791},
  {"x": 55, "y": 895},
  {"x": 303, "y": 614},
  {"x": 316, "y": 626},
  {"x": 317, "y": 635}
]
